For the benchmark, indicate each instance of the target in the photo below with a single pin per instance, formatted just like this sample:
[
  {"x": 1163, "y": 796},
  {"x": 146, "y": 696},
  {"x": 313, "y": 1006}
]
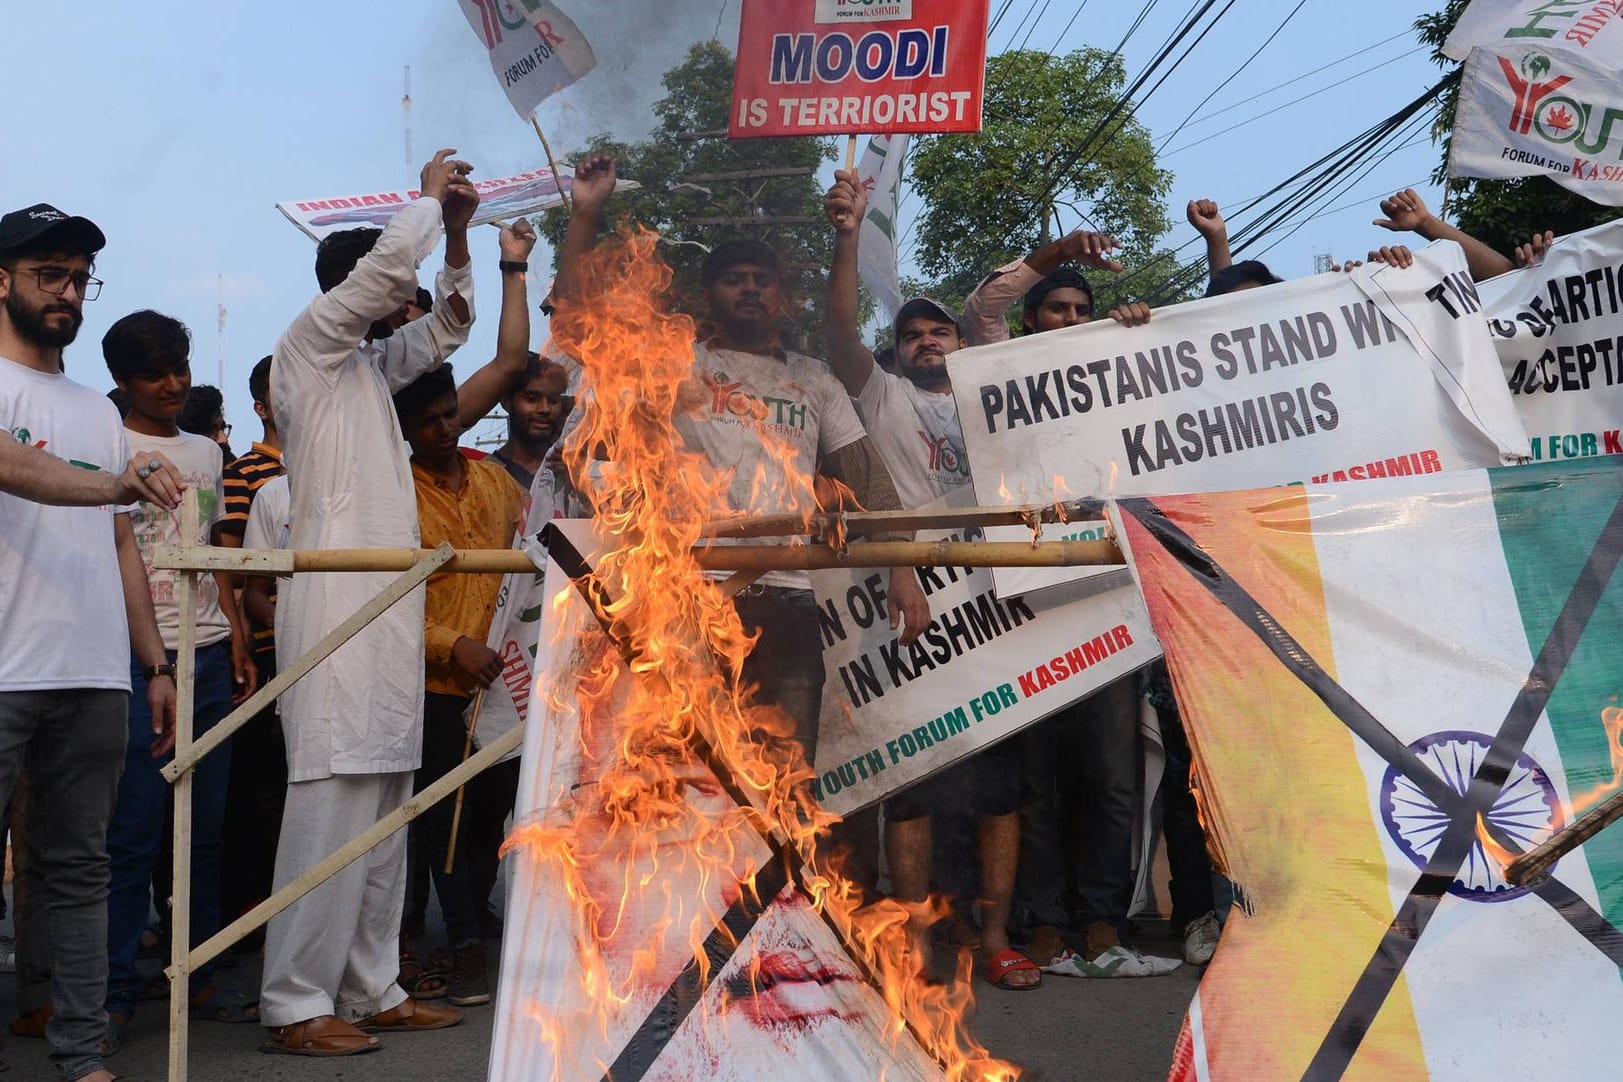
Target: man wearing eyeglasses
[{"x": 65, "y": 575}]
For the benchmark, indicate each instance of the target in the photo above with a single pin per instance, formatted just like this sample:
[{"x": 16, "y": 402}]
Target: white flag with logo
[
  {"x": 535, "y": 49},
  {"x": 1529, "y": 111},
  {"x": 1593, "y": 28},
  {"x": 881, "y": 173}
]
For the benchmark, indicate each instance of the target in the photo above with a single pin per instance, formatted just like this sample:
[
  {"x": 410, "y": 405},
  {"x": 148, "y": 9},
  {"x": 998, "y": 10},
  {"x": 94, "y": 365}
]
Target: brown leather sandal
[
  {"x": 326, "y": 1035},
  {"x": 411, "y": 1017}
]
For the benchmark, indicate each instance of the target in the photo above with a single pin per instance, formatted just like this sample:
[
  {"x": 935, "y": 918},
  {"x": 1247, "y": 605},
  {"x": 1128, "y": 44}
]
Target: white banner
[
  {"x": 1337, "y": 377},
  {"x": 500, "y": 199},
  {"x": 1529, "y": 111},
  {"x": 1559, "y": 331},
  {"x": 881, "y": 172},
  {"x": 984, "y": 669},
  {"x": 535, "y": 49},
  {"x": 1591, "y": 27},
  {"x": 515, "y": 627}
]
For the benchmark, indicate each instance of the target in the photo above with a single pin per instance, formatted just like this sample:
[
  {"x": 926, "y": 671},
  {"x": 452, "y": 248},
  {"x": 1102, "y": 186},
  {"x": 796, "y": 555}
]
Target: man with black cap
[
  {"x": 914, "y": 421},
  {"x": 65, "y": 572}
]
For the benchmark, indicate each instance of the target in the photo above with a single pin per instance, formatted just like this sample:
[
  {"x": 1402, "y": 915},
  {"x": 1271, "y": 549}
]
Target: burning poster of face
[{"x": 671, "y": 915}]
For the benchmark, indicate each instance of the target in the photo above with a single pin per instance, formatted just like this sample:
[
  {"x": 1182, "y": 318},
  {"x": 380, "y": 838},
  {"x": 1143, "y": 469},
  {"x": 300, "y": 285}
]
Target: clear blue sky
[{"x": 178, "y": 126}]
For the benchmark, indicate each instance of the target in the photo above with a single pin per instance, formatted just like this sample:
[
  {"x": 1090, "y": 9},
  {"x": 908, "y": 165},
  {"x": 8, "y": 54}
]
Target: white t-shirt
[
  {"x": 736, "y": 401},
  {"x": 62, "y": 622},
  {"x": 269, "y": 516},
  {"x": 918, "y": 435},
  {"x": 198, "y": 460}
]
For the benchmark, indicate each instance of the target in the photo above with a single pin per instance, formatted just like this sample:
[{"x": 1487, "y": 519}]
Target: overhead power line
[{"x": 1236, "y": 73}]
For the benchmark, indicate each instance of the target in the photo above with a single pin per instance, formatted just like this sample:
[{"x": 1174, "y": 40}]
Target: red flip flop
[{"x": 1006, "y": 961}]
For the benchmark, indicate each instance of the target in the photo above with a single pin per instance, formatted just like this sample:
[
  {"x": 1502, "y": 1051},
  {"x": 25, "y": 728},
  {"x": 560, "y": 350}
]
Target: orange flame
[
  {"x": 649, "y": 846},
  {"x": 1612, "y": 719},
  {"x": 1495, "y": 852}
]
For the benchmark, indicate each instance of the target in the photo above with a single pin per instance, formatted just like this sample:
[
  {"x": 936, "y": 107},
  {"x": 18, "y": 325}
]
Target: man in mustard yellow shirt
[{"x": 473, "y": 504}]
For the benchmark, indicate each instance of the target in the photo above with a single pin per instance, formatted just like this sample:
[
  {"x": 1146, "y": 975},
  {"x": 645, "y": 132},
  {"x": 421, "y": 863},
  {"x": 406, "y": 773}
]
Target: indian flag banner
[{"x": 1391, "y": 687}]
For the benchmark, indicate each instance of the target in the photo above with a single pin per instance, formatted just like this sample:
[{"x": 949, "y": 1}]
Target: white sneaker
[
  {"x": 1117, "y": 961},
  {"x": 1200, "y": 939}
]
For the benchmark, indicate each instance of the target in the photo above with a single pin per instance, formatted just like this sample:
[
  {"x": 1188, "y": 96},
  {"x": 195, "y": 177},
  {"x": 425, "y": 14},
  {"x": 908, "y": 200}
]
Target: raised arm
[
  {"x": 986, "y": 309},
  {"x": 40, "y": 476},
  {"x": 845, "y": 204},
  {"x": 593, "y": 184},
  {"x": 1406, "y": 211},
  {"x": 861, "y": 469},
  {"x": 325, "y": 333},
  {"x": 424, "y": 344},
  {"x": 481, "y": 391},
  {"x": 1207, "y": 219}
]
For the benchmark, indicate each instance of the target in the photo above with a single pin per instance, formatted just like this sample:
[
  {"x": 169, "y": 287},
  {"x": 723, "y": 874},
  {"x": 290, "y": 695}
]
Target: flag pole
[
  {"x": 552, "y": 163},
  {"x": 456, "y": 811},
  {"x": 850, "y": 164}
]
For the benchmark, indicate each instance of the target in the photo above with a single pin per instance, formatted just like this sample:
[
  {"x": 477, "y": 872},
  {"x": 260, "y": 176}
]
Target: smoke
[{"x": 457, "y": 101}]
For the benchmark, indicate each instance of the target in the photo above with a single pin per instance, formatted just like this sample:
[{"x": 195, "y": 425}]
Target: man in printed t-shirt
[
  {"x": 149, "y": 357},
  {"x": 747, "y": 389},
  {"x": 914, "y": 419},
  {"x": 74, "y": 601}
]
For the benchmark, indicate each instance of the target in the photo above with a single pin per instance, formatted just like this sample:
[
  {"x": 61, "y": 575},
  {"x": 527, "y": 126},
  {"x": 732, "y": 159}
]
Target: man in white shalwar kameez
[{"x": 354, "y": 724}]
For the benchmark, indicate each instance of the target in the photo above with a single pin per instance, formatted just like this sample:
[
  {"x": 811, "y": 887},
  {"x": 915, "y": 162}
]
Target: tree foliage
[
  {"x": 1500, "y": 213},
  {"x": 698, "y": 100},
  {"x": 992, "y": 197}
]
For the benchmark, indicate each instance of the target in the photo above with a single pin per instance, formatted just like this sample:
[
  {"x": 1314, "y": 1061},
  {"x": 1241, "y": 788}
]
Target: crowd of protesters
[{"x": 362, "y": 424}]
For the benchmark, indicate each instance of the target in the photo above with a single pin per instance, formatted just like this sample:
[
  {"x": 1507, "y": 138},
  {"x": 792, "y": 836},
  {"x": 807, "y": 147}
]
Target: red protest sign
[{"x": 829, "y": 67}]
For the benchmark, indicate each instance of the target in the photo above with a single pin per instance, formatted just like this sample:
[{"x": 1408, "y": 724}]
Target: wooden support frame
[{"x": 747, "y": 561}]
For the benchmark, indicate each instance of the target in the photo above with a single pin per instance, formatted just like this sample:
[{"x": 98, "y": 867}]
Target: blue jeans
[{"x": 135, "y": 835}]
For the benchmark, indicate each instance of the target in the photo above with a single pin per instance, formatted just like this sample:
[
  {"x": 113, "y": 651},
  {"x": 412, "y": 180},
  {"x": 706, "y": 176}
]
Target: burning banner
[
  {"x": 1527, "y": 111},
  {"x": 671, "y": 915},
  {"x": 1559, "y": 331},
  {"x": 1390, "y": 688}
]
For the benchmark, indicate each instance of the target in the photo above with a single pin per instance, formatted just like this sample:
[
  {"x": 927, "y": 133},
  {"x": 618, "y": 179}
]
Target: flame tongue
[{"x": 653, "y": 847}]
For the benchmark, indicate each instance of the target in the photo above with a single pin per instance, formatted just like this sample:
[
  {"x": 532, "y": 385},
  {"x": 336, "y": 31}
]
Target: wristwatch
[
  {"x": 513, "y": 265},
  {"x": 154, "y": 671}
]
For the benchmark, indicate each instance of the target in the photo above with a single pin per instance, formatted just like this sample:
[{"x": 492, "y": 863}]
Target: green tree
[
  {"x": 683, "y": 200},
  {"x": 993, "y": 196},
  {"x": 1500, "y": 213}
]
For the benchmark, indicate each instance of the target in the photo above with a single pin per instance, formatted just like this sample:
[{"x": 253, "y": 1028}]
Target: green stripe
[{"x": 1550, "y": 518}]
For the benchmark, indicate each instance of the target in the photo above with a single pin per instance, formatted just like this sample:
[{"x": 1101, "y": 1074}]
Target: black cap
[
  {"x": 42, "y": 226},
  {"x": 923, "y": 306},
  {"x": 1066, "y": 277},
  {"x": 1236, "y": 274}
]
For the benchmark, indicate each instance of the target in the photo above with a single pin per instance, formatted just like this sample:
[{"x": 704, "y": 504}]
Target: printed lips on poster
[{"x": 824, "y": 67}]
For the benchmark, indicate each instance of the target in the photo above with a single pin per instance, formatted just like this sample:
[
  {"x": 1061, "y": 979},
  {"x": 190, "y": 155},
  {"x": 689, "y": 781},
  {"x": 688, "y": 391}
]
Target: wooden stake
[
  {"x": 850, "y": 164},
  {"x": 356, "y": 848},
  {"x": 552, "y": 163},
  {"x": 418, "y": 571},
  {"x": 180, "y": 893},
  {"x": 467, "y": 750},
  {"x": 1537, "y": 860},
  {"x": 709, "y": 557}
]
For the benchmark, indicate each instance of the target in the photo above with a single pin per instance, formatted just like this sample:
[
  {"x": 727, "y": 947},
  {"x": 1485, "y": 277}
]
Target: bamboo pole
[
  {"x": 461, "y": 790},
  {"x": 850, "y": 164},
  {"x": 1537, "y": 860},
  {"x": 858, "y": 523},
  {"x": 432, "y": 560},
  {"x": 357, "y": 847},
  {"x": 180, "y": 892},
  {"x": 709, "y": 557},
  {"x": 552, "y": 163}
]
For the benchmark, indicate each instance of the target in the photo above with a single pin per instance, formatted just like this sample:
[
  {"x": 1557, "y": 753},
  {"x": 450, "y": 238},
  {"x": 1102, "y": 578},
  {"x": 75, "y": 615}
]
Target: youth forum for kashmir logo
[{"x": 863, "y": 11}]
